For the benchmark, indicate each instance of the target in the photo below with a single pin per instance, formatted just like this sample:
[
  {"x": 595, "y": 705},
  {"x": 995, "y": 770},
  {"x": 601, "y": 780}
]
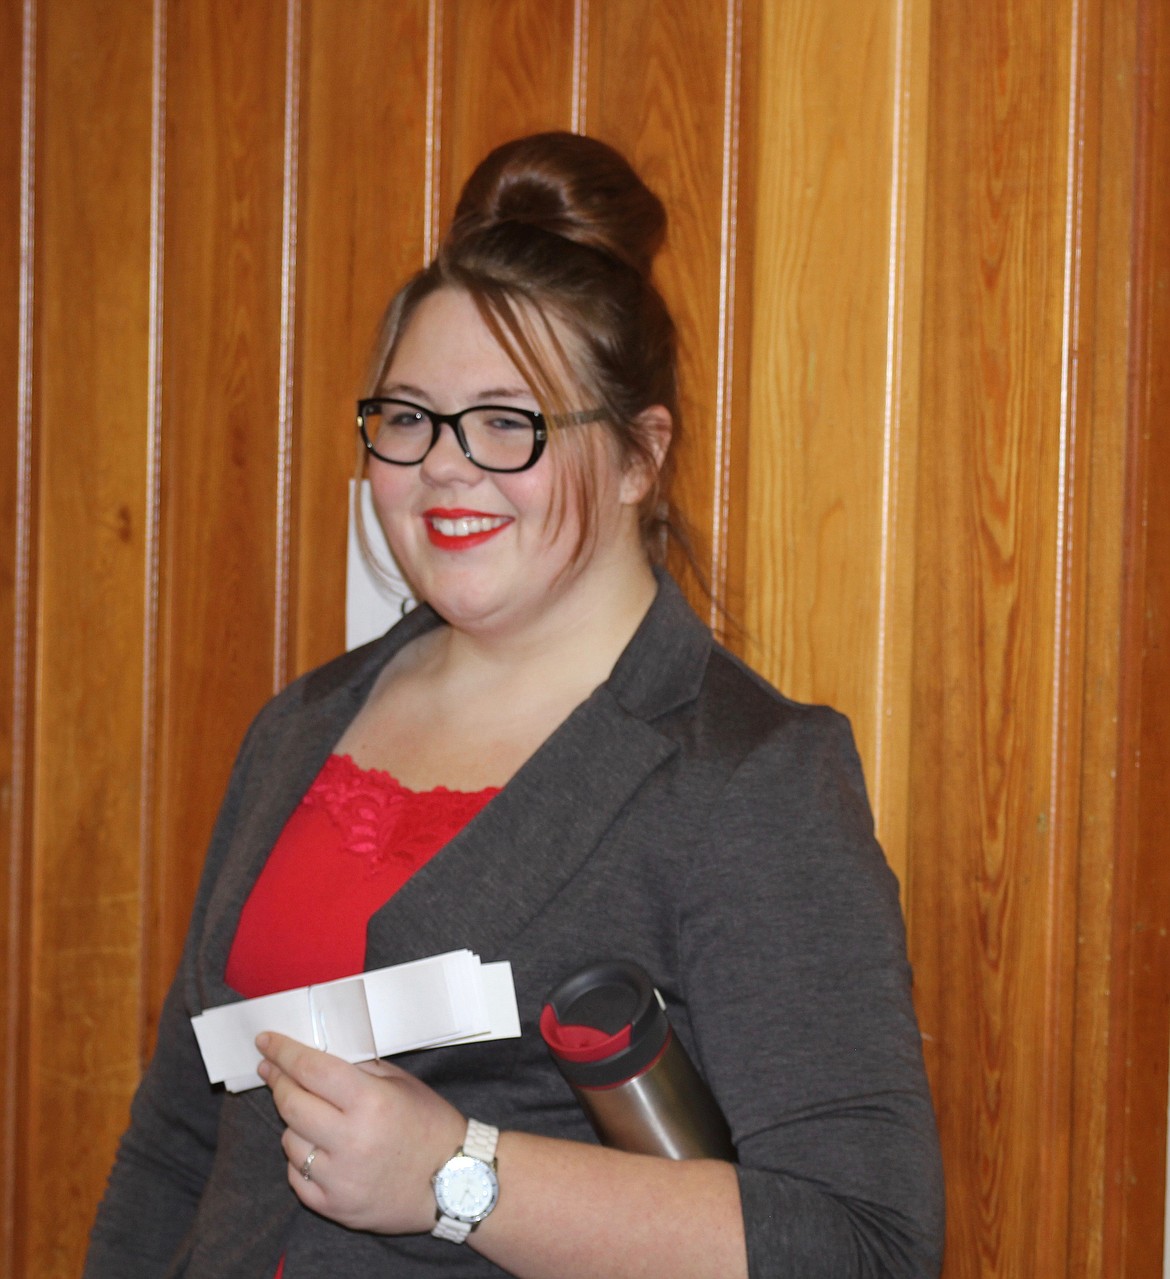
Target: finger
[
  {"x": 315, "y": 1120},
  {"x": 319, "y": 1073},
  {"x": 309, "y": 1116},
  {"x": 307, "y": 1167},
  {"x": 303, "y": 1155}
]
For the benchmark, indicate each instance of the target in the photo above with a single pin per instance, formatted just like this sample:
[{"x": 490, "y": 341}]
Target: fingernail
[
  {"x": 264, "y": 1069},
  {"x": 262, "y": 1041}
]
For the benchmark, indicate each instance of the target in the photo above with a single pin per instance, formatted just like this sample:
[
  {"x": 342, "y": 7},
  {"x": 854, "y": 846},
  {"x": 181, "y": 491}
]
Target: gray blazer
[{"x": 685, "y": 816}]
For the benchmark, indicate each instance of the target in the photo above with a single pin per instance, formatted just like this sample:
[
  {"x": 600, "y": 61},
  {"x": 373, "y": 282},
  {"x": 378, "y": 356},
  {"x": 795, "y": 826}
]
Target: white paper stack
[{"x": 445, "y": 999}]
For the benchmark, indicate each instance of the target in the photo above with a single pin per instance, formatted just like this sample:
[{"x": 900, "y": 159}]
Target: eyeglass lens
[{"x": 497, "y": 437}]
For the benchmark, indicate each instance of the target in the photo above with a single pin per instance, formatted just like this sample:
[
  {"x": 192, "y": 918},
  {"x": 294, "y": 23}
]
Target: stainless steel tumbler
[{"x": 607, "y": 1030}]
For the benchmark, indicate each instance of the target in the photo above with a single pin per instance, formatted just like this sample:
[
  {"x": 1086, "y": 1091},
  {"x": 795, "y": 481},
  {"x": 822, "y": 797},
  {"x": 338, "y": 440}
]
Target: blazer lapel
[{"x": 497, "y": 873}]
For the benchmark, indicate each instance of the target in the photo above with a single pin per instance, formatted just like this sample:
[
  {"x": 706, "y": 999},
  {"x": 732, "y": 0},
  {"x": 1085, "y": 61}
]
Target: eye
[
  {"x": 402, "y": 415},
  {"x": 504, "y": 420}
]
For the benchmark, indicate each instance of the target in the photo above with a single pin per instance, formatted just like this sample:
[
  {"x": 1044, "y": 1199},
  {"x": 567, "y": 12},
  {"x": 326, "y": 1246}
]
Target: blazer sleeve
[
  {"x": 798, "y": 987},
  {"x": 166, "y": 1153}
]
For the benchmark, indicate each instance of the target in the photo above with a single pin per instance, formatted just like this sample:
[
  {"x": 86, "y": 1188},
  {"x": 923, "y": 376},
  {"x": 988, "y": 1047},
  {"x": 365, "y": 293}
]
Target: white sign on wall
[{"x": 374, "y": 600}]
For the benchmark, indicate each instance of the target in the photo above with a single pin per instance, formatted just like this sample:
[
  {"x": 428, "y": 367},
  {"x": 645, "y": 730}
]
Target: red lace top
[{"x": 353, "y": 841}]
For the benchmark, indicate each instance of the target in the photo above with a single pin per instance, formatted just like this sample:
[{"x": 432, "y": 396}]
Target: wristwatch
[{"x": 466, "y": 1186}]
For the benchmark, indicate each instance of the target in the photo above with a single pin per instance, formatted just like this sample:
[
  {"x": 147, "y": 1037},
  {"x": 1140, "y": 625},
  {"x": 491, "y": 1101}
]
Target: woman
[{"x": 550, "y": 762}]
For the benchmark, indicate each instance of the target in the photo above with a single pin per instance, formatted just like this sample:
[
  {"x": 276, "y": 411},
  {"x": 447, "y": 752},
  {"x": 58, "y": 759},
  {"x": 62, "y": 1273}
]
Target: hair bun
[{"x": 568, "y": 185}]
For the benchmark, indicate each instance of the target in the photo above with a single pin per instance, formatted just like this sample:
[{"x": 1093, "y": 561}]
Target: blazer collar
[{"x": 662, "y": 666}]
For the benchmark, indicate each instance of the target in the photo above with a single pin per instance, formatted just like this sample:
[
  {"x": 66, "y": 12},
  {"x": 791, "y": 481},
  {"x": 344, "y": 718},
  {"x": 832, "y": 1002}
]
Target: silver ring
[{"x": 307, "y": 1166}]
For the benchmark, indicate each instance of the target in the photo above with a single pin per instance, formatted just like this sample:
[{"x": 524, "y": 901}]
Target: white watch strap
[
  {"x": 479, "y": 1142},
  {"x": 451, "y": 1229}
]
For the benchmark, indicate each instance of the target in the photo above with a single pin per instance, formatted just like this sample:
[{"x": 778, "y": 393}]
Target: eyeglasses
[{"x": 495, "y": 437}]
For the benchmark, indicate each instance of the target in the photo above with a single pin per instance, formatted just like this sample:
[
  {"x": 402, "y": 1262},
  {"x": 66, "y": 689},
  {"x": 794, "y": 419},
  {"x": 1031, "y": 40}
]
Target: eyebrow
[{"x": 482, "y": 397}]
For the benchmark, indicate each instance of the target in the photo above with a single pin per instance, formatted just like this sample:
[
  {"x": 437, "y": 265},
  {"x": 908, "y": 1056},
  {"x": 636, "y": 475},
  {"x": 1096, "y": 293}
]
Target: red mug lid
[{"x": 580, "y": 1043}]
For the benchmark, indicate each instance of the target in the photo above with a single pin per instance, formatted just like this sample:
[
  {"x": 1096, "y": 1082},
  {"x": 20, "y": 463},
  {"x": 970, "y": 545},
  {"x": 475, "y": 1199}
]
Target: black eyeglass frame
[{"x": 539, "y": 432}]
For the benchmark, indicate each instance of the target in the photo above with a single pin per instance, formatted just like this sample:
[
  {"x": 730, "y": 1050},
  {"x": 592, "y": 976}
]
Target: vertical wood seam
[
  {"x": 288, "y": 276},
  {"x": 893, "y": 401},
  {"x": 16, "y": 969},
  {"x": 728, "y": 248},
  {"x": 1052, "y": 1236},
  {"x": 434, "y": 130},
  {"x": 580, "y": 90},
  {"x": 148, "y": 766}
]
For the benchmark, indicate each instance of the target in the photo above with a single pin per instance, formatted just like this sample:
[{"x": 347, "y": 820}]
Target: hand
[{"x": 379, "y": 1133}]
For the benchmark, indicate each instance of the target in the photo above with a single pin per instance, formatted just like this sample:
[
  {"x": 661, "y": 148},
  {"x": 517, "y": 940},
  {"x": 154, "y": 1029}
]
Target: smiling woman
[{"x": 549, "y": 761}]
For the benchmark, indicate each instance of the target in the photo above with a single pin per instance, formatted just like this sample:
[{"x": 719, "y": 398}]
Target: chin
[{"x": 464, "y": 608}]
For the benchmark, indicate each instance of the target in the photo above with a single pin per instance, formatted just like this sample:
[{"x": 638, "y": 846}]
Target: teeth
[{"x": 467, "y": 525}]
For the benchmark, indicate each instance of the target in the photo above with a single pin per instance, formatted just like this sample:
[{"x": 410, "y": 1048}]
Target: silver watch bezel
[{"x": 460, "y": 1167}]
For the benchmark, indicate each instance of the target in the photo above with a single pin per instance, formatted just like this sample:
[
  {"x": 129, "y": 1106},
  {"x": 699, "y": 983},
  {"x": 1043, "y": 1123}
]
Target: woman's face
[{"x": 485, "y": 549}]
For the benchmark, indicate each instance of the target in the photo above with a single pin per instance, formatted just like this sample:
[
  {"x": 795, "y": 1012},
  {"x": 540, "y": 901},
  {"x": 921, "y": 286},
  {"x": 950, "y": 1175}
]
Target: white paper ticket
[{"x": 444, "y": 999}]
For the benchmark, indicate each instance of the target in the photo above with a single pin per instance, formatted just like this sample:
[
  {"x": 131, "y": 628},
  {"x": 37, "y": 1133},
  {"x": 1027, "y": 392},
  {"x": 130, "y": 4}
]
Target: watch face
[{"x": 466, "y": 1188}]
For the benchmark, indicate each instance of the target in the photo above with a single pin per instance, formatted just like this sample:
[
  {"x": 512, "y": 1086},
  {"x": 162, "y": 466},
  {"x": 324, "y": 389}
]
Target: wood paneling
[
  {"x": 835, "y": 334},
  {"x": 918, "y": 257},
  {"x": 506, "y": 69},
  {"x": 93, "y": 166},
  {"x": 677, "y": 120},
  {"x": 221, "y": 456},
  {"x": 16, "y": 91},
  {"x": 1002, "y": 627},
  {"x": 1109, "y": 158},
  {"x": 362, "y": 228},
  {"x": 1135, "y": 1170}
]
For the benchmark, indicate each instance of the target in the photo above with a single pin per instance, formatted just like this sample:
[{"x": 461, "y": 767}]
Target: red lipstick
[{"x": 448, "y": 541}]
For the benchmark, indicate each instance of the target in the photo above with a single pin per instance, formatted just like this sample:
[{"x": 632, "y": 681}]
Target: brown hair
[{"x": 554, "y": 234}]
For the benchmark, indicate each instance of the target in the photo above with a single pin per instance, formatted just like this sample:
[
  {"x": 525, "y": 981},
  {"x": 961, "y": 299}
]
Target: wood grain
[
  {"x": 658, "y": 85},
  {"x": 987, "y": 832},
  {"x": 1135, "y": 1169},
  {"x": 506, "y": 70},
  {"x": 16, "y": 93},
  {"x": 1106, "y": 333},
  {"x": 362, "y": 230},
  {"x": 823, "y": 431},
  {"x": 221, "y": 361},
  {"x": 1101, "y": 335},
  {"x": 90, "y": 393}
]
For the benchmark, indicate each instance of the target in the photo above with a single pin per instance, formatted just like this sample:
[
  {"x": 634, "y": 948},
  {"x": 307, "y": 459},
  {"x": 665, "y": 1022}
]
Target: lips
[{"x": 457, "y": 530}]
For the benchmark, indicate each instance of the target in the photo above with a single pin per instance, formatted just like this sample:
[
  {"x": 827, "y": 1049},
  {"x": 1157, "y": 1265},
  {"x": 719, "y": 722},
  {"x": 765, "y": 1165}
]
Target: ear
[{"x": 655, "y": 427}]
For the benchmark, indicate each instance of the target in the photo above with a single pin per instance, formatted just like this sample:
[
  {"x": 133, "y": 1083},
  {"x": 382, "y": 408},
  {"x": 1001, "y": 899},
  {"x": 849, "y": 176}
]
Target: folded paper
[{"x": 444, "y": 999}]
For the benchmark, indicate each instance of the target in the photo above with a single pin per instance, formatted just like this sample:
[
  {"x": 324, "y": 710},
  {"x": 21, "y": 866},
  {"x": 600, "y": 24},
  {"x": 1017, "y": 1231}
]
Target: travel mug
[{"x": 607, "y": 1030}]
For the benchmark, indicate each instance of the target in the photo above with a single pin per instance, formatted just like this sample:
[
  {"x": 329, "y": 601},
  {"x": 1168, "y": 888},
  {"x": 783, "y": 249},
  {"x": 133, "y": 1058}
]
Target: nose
[{"x": 446, "y": 462}]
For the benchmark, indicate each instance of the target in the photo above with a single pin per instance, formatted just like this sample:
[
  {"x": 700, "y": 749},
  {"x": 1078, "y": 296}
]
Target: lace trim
[{"x": 382, "y": 821}]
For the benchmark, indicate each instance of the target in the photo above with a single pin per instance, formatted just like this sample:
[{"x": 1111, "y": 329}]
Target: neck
[{"x": 575, "y": 642}]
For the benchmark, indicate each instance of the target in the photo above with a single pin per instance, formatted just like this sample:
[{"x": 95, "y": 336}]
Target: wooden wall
[{"x": 920, "y": 258}]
